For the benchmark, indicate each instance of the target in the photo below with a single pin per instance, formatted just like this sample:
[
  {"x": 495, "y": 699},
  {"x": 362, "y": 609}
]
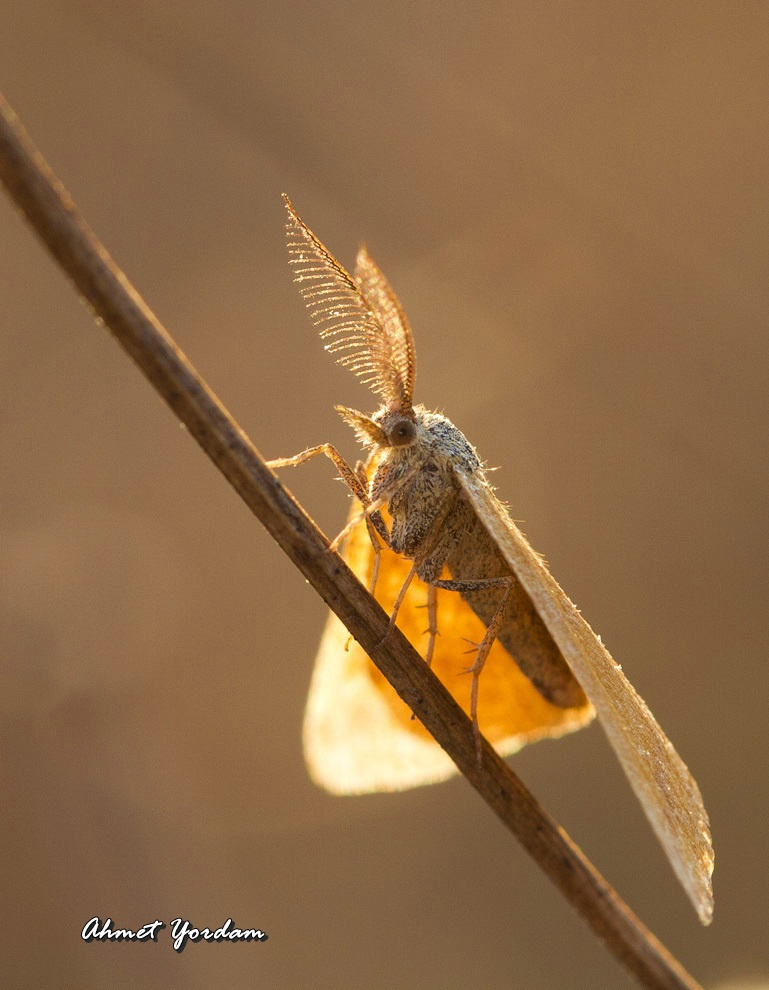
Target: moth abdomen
[{"x": 522, "y": 632}]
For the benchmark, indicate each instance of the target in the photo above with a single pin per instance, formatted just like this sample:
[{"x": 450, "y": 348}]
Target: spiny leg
[
  {"x": 347, "y": 473},
  {"x": 492, "y": 630},
  {"x": 432, "y": 622},
  {"x": 399, "y": 600},
  {"x": 377, "y": 548},
  {"x": 360, "y": 472},
  {"x": 377, "y": 556},
  {"x": 432, "y": 625},
  {"x": 349, "y": 476},
  {"x": 402, "y": 595},
  {"x": 371, "y": 509}
]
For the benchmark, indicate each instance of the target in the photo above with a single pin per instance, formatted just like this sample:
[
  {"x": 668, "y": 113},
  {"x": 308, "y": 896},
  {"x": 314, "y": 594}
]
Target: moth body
[
  {"x": 429, "y": 495},
  {"x": 545, "y": 671},
  {"x": 435, "y": 525}
]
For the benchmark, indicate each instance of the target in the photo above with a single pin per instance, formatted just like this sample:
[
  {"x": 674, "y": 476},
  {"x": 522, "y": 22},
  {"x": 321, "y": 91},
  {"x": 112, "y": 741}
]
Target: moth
[{"x": 444, "y": 557}]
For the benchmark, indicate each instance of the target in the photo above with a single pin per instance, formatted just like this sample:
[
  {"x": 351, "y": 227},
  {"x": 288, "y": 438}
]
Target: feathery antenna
[{"x": 360, "y": 319}]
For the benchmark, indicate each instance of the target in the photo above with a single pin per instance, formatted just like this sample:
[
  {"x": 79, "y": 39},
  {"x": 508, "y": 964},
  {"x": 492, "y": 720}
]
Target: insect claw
[
  {"x": 478, "y": 744},
  {"x": 336, "y": 542}
]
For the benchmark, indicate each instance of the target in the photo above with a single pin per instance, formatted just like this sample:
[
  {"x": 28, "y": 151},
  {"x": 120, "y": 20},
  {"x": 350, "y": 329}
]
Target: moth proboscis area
[{"x": 431, "y": 513}]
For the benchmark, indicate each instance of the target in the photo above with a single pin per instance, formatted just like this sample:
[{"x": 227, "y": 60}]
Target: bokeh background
[{"x": 571, "y": 200}]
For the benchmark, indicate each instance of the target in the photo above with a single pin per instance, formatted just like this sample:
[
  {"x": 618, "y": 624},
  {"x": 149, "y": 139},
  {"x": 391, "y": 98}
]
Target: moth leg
[
  {"x": 349, "y": 477},
  {"x": 432, "y": 626},
  {"x": 432, "y": 622},
  {"x": 492, "y": 631},
  {"x": 371, "y": 508},
  {"x": 402, "y": 595},
  {"x": 360, "y": 471},
  {"x": 377, "y": 555},
  {"x": 369, "y": 512},
  {"x": 399, "y": 600}
]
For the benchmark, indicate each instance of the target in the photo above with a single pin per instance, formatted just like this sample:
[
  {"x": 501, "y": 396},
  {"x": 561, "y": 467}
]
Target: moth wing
[
  {"x": 360, "y": 737},
  {"x": 667, "y": 791},
  {"x": 352, "y": 743}
]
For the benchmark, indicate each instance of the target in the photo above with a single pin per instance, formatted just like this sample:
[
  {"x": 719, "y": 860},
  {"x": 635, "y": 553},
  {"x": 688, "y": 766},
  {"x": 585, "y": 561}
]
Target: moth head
[
  {"x": 387, "y": 428},
  {"x": 402, "y": 432},
  {"x": 398, "y": 424}
]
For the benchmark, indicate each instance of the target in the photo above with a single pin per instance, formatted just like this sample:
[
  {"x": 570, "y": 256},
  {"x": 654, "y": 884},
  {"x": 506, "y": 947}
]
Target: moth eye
[
  {"x": 432, "y": 468},
  {"x": 402, "y": 433}
]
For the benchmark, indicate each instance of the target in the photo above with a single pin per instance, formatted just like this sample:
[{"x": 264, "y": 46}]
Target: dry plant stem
[{"x": 52, "y": 214}]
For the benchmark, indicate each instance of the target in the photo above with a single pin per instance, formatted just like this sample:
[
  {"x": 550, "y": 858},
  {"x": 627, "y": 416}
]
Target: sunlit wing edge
[{"x": 668, "y": 793}]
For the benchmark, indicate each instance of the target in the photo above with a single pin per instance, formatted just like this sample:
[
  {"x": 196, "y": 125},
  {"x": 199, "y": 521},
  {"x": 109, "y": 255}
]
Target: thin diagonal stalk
[{"x": 52, "y": 214}]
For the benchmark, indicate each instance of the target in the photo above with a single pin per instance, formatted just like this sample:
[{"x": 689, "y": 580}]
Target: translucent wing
[
  {"x": 360, "y": 737},
  {"x": 667, "y": 792},
  {"x": 376, "y": 351}
]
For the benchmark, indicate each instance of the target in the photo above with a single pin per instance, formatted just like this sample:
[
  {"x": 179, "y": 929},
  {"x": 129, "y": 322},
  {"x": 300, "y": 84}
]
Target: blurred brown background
[{"x": 571, "y": 200}]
